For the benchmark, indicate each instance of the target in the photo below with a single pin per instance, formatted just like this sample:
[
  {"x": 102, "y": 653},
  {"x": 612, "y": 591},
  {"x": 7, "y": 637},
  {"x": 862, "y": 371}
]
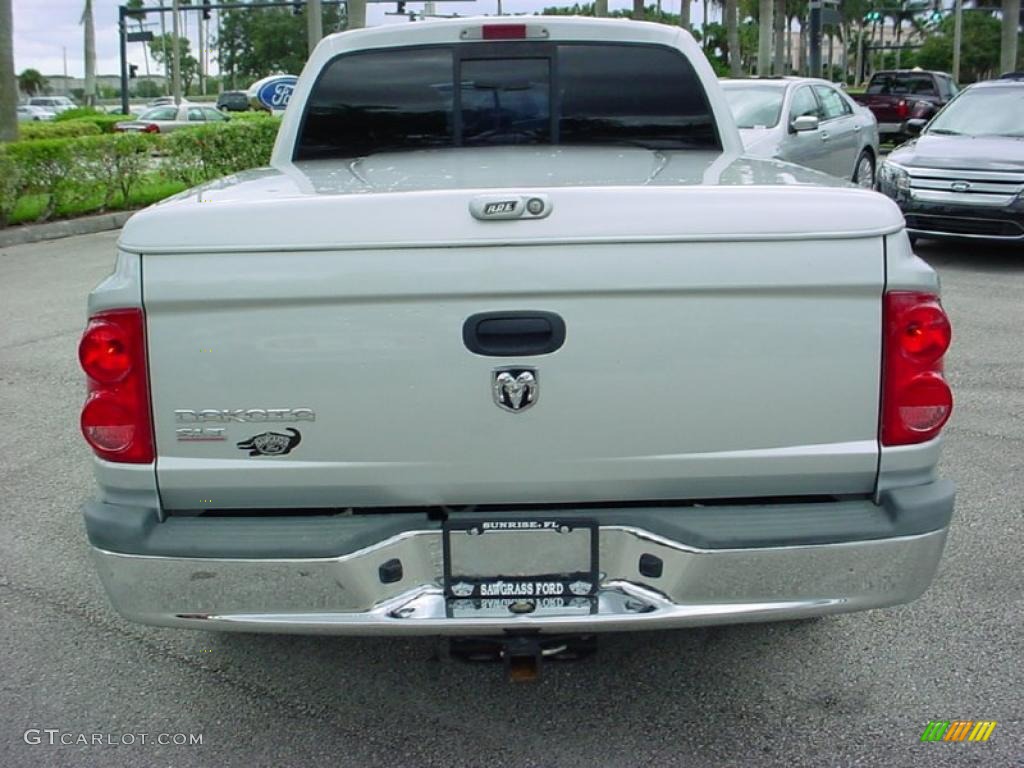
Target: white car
[
  {"x": 28, "y": 113},
  {"x": 806, "y": 121},
  {"x": 513, "y": 340},
  {"x": 169, "y": 118},
  {"x": 56, "y": 104}
]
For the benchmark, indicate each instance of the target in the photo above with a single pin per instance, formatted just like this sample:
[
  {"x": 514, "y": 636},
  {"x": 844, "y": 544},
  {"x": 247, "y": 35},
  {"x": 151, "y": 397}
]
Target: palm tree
[
  {"x": 8, "y": 97},
  {"x": 31, "y": 82},
  {"x": 1008, "y": 48},
  {"x": 89, "y": 92},
  {"x": 733, "y": 37},
  {"x": 765, "y": 9},
  {"x": 779, "y": 65}
]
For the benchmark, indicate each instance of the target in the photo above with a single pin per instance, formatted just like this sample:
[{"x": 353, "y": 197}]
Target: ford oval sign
[{"x": 273, "y": 92}]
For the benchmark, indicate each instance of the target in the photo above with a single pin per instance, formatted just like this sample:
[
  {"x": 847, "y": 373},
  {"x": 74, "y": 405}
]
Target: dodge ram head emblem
[
  {"x": 515, "y": 389},
  {"x": 271, "y": 443}
]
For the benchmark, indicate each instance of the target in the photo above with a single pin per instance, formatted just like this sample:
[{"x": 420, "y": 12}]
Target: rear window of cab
[{"x": 501, "y": 94}]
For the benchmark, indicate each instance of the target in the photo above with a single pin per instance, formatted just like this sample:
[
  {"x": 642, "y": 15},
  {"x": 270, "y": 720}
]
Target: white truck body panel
[{"x": 710, "y": 420}]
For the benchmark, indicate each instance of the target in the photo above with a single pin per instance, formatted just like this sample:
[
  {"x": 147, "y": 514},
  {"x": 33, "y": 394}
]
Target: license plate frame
[{"x": 558, "y": 589}]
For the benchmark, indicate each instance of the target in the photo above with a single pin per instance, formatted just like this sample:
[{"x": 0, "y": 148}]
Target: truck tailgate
[{"x": 689, "y": 370}]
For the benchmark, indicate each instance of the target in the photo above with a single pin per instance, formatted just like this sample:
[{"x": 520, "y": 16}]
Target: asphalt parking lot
[{"x": 849, "y": 690}]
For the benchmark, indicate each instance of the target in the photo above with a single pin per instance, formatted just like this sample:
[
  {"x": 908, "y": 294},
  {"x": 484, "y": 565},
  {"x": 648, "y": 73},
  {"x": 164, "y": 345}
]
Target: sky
[{"x": 43, "y": 29}]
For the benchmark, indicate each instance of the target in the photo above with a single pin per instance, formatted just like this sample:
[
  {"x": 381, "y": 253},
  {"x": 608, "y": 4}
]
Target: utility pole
[
  {"x": 163, "y": 45},
  {"x": 1008, "y": 48},
  {"x": 175, "y": 55},
  {"x": 66, "y": 89},
  {"x": 356, "y": 14},
  {"x": 815, "y": 41},
  {"x": 314, "y": 24},
  {"x": 122, "y": 36},
  {"x": 684, "y": 13},
  {"x": 8, "y": 82},
  {"x": 201, "y": 38},
  {"x": 958, "y": 33},
  {"x": 601, "y": 8}
]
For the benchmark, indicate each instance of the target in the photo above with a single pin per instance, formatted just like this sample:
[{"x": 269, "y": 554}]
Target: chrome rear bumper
[{"x": 346, "y": 594}]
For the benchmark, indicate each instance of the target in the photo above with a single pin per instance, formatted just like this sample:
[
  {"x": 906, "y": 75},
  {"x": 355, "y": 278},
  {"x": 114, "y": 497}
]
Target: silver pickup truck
[{"x": 512, "y": 340}]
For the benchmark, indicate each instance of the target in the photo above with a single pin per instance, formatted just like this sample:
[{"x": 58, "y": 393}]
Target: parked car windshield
[
  {"x": 754, "y": 106},
  {"x": 407, "y": 99},
  {"x": 983, "y": 112},
  {"x": 160, "y": 113}
]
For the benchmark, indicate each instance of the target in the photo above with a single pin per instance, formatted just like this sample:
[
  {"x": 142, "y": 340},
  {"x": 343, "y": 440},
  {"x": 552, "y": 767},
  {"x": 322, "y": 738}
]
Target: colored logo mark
[{"x": 958, "y": 730}]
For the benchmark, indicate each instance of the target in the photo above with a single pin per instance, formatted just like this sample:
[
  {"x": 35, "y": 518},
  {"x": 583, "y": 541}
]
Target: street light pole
[{"x": 958, "y": 33}]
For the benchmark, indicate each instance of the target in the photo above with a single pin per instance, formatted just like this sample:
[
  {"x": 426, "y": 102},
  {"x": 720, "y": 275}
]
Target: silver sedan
[
  {"x": 168, "y": 118},
  {"x": 806, "y": 121}
]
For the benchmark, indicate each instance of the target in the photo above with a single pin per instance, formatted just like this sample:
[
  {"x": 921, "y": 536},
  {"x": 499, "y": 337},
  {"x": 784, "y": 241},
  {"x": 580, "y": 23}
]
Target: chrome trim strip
[
  {"x": 926, "y": 233},
  {"x": 955, "y": 174},
  {"x": 962, "y": 198},
  {"x": 976, "y": 187}
]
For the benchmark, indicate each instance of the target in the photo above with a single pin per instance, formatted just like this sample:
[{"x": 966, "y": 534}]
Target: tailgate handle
[{"x": 506, "y": 334}]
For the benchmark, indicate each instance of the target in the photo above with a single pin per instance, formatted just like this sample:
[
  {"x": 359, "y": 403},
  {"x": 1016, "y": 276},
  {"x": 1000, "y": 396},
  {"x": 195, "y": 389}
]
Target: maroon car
[{"x": 895, "y": 96}]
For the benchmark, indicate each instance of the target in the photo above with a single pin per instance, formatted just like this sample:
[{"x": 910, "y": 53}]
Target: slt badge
[{"x": 515, "y": 389}]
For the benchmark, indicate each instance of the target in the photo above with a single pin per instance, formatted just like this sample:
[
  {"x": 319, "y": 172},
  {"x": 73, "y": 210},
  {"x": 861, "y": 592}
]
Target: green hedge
[
  {"x": 89, "y": 171},
  {"x": 55, "y": 130},
  {"x": 210, "y": 151},
  {"x": 105, "y": 123},
  {"x": 70, "y": 173}
]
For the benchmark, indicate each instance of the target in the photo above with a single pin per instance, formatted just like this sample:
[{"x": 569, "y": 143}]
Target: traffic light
[
  {"x": 206, "y": 10},
  {"x": 133, "y": 71},
  {"x": 873, "y": 16},
  {"x": 936, "y": 15},
  {"x": 297, "y": 9}
]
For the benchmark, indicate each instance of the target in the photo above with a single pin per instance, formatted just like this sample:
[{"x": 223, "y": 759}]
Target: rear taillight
[
  {"x": 116, "y": 420},
  {"x": 902, "y": 109},
  {"x": 151, "y": 128},
  {"x": 916, "y": 400}
]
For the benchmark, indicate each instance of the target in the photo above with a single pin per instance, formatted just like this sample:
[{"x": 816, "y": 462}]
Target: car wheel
[{"x": 864, "y": 171}]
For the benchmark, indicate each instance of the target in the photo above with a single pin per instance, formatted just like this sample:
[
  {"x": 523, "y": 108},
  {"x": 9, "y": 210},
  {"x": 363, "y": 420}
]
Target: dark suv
[
  {"x": 963, "y": 177},
  {"x": 233, "y": 101},
  {"x": 895, "y": 96}
]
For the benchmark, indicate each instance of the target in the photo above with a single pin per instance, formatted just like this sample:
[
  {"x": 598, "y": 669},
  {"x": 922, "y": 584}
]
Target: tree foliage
[
  {"x": 253, "y": 43},
  {"x": 979, "y": 53}
]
